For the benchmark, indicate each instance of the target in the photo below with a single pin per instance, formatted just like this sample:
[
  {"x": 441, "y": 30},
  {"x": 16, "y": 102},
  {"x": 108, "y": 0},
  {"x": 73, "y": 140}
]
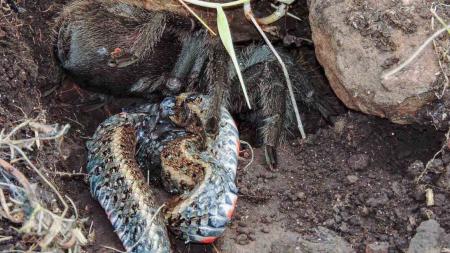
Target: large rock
[
  {"x": 358, "y": 41},
  {"x": 430, "y": 238}
]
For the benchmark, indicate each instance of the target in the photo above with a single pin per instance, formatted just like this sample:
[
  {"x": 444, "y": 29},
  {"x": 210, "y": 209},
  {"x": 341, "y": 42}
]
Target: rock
[
  {"x": 397, "y": 189},
  {"x": 415, "y": 169},
  {"x": 446, "y": 241},
  {"x": 327, "y": 242},
  {"x": 436, "y": 165},
  {"x": 242, "y": 224},
  {"x": 379, "y": 201},
  {"x": 292, "y": 197},
  {"x": 444, "y": 179},
  {"x": 352, "y": 179},
  {"x": 278, "y": 247},
  {"x": 301, "y": 195},
  {"x": 243, "y": 230},
  {"x": 266, "y": 220},
  {"x": 357, "y": 42},
  {"x": 242, "y": 239},
  {"x": 419, "y": 193},
  {"x": 339, "y": 125},
  {"x": 440, "y": 199},
  {"x": 344, "y": 227},
  {"x": 365, "y": 211},
  {"x": 429, "y": 238},
  {"x": 265, "y": 230},
  {"x": 358, "y": 161},
  {"x": 377, "y": 247}
]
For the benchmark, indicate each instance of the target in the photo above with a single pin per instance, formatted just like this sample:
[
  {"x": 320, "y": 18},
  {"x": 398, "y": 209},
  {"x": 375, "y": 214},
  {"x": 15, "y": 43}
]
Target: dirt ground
[{"x": 353, "y": 177}]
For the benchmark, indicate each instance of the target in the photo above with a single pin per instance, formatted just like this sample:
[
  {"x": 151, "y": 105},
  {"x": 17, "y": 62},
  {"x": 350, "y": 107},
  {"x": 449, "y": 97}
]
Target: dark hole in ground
[{"x": 351, "y": 177}]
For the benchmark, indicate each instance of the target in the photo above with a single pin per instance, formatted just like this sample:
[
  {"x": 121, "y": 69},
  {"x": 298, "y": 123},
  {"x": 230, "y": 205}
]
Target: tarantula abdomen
[{"x": 120, "y": 49}]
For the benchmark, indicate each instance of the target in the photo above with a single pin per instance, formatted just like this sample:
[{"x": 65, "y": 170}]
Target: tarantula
[
  {"x": 115, "y": 47},
  {"x": 119, "y": 48}
]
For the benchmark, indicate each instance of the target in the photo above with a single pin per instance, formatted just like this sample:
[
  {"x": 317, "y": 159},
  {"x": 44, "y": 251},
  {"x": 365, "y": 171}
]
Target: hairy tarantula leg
[
  {"x": 273, "y": 104},
  {"x": 189, "y": 57},
  {"x": 217, "y": 74},
  {"x": 270, "y": 154}
]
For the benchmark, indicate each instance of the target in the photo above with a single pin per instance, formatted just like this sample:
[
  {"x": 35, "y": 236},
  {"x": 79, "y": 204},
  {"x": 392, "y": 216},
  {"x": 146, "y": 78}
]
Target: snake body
[{"x": 201, "y": 168}]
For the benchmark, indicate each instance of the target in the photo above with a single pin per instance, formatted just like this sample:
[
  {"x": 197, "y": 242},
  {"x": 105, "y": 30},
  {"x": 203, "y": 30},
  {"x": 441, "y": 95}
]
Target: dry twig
[{"x": 21, "y": 204}]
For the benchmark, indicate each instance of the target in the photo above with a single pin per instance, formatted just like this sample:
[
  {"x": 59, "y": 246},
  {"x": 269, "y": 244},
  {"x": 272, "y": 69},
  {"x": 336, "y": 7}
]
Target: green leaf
[{"x": 225, "y": 35}]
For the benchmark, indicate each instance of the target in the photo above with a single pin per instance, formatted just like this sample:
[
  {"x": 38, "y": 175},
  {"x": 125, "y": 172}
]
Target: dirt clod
[
  {"x": 242, "y": 239},
  {"x": 358, "y": 161},
  {"x": 352, "y": 178},
  {"x": 377, "y": 247}
]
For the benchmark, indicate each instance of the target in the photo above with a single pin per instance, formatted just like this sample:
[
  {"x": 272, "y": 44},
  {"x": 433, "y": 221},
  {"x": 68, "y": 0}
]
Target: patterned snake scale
[{"x": 199, "y": 167}]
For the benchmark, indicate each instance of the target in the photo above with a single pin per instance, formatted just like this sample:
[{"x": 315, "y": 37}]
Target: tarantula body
[{"x": 122, "y": 49}]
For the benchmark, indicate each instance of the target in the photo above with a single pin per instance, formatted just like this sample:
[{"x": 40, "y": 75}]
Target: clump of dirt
[
  {"x": 18, "y": 70},
  {"x": 20, "y": 102}
]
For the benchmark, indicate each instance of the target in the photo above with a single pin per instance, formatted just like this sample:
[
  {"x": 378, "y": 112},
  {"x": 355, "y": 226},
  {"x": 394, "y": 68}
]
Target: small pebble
[
  {"x": 241, "y": 224},
  {"x": 379, "y": 201},
  {"x": 265, "y": 230},
  {"x": 365, "y": 211},
  {"x": 440, "y": 199},
  {"x": 352, "y": 179},
  {"x": 358, "y": 161},
  {"x": 242, "y": 239},
  {"x": 266, "y": 220},
  {"x": 344, "y": 227},
  {"x": 301, "y": 195},
  {"x": 415, "y": 168},
  {"x": 292, "y": 197},
  {"x": 243, "y": 230},
  {"x": 377, "y": 247}
]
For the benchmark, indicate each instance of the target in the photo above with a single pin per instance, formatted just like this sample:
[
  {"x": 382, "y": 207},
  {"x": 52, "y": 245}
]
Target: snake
[{"x": 169, "y": 140}]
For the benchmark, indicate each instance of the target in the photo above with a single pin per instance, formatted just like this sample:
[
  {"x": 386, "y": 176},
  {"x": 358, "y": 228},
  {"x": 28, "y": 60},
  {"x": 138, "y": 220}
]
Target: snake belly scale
[{"x": 201, "y": 168}]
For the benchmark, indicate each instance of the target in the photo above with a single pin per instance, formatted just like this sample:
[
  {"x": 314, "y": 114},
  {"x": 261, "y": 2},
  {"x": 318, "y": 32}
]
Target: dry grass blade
[
  {"x": 19, "y": 201},
  {"x": 416, "y": 53},
  {"x": 440, "y": 48},
  {"x": 197, "y": 17}
]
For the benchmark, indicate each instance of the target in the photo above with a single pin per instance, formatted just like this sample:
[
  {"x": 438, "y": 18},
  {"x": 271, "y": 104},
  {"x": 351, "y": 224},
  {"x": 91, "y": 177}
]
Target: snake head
[{"x": 190, "y": 112}]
